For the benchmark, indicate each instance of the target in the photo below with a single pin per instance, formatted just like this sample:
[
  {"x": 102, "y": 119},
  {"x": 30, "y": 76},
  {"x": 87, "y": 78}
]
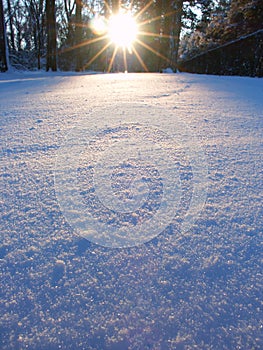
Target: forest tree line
[{"x": 52, "y": 34}]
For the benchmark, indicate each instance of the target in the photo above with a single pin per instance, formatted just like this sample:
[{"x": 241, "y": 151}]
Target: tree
[
  {"x": 78, "y": 35},
  {"x": 34, "y": 31},
  {"x": 37, "y": 24},
  {"x": 171, "y": 24},
  {"x": 164, "y": 20},
  {"x": 3, "y": 53},
  {"x": 244, "y": 17},
  {"x": 209, "y": 30},
  {"x": 177, "y": 26},
  {"x": 115, "y": 6},
  {"x": 11, "y": 26},
  {"x": 51, "y": 62}
]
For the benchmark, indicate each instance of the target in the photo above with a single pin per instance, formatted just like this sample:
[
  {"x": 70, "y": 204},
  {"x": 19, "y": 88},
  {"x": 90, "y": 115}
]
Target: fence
[{"x": 242, "y": 57}]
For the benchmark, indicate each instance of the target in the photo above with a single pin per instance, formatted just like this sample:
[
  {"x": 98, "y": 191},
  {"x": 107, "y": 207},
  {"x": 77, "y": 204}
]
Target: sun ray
[
  {"x": 107, "y": 6},
  {"x": 155, "y": 35},
  {"x": 112, "y": 58},
  {"x": 152, "y": 50},
  {"x": 84, "y": 43},
  {"x": 140, "y": 60},
  {"x": 125, "y": 60},
  {"x": 89, "y": 8},
  {"x": 154, "y": 19},
  {"x": 82, "y": 25},
  {"x": 130, "y": 5},
  {"x": 144, "y": 9},
  {"x": 97, "y": 55},
  {"x": 114, "y": 34}
]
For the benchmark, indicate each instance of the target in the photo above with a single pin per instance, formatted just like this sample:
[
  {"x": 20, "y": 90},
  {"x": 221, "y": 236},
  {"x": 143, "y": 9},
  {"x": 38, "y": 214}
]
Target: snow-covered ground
[{"x": 164, "y": 171}]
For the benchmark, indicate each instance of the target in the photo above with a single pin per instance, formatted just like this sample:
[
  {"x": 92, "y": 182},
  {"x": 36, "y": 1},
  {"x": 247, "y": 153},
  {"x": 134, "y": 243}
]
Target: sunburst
[{"x": 125, "y": 33}]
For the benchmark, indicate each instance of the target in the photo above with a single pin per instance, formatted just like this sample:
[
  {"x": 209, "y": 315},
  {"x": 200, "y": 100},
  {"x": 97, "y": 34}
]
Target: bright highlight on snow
[{"x": 122, "y": 30}]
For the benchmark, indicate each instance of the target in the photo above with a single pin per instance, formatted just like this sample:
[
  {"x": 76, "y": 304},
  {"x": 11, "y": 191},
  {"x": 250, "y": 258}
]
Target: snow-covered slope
[{"x": 164, "y": 171}]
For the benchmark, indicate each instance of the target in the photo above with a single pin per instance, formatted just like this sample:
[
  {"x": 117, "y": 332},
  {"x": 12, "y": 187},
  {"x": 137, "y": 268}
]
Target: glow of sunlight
[
  {"x": 122, "y": 30},
  {"x": 99, "y": 25}
]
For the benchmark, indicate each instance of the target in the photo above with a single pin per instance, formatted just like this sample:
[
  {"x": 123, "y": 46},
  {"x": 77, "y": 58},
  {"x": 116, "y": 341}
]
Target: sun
[{"x": 122, "y": 30}]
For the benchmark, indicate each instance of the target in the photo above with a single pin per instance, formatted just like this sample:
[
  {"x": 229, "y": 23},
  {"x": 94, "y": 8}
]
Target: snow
[
  {"x": 167, "y": 70},
  {"x": 163, "y": 174}
]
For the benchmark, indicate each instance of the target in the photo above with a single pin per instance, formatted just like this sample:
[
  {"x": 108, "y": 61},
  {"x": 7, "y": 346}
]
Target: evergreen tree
[{"x": 244, "y": 17}]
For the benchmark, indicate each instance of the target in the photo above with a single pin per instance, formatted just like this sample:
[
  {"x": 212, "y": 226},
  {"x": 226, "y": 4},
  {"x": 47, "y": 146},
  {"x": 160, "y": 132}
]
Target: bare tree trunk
[
  {"x": 40, "y": 30},
  {"x": 78, "y": 36},
  {"x": 171, "y": 24},
  {"x": 176, "y": 31},
  {"x": 3, "y": 52},
  {"x": 11, "y": 25},
  {"x": 51, "y": 36},
  {"x": 115, "y": 5},
  {"x": 69, "y": 11}
]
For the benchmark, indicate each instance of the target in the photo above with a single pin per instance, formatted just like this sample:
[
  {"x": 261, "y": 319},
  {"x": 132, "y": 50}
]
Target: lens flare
[
  {"x": 126, "y": 32},
  {"x": 99, "y": 25}
]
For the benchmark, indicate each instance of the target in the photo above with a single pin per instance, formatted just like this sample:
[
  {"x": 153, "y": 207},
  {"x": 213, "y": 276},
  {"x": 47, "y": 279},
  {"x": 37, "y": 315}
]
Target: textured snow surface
[{"x": 194, "y": 146}]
